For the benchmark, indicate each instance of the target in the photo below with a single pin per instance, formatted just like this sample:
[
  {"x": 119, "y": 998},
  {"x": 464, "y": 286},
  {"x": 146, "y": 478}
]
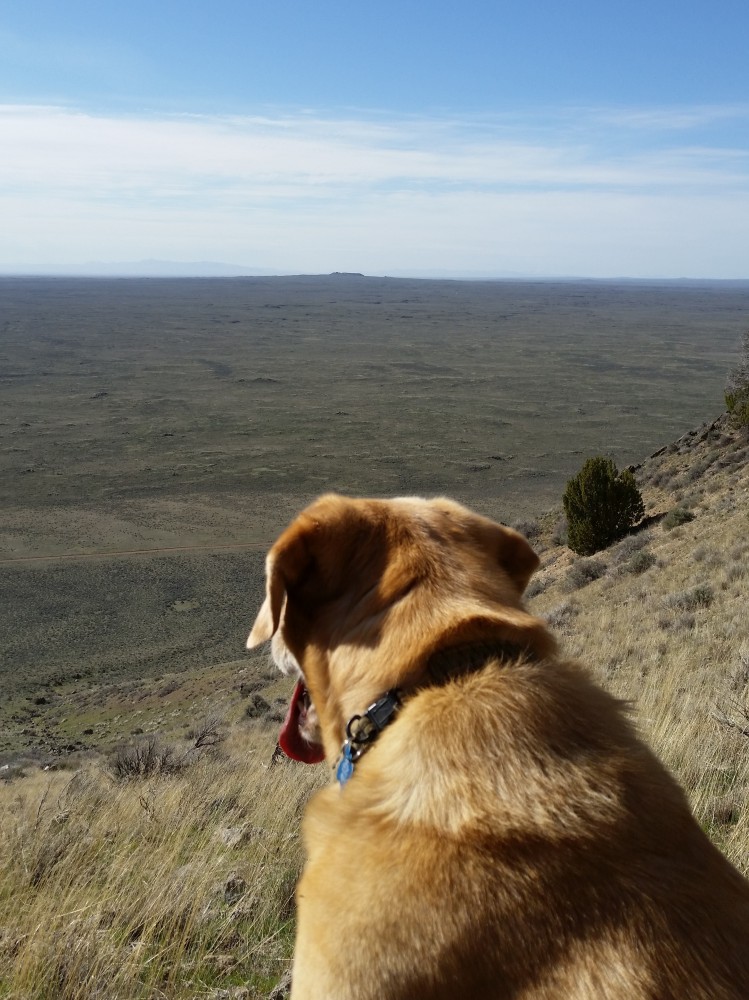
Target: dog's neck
[
  {"x": 448, "y": 664},
  {"x": 442, "y": 667}
]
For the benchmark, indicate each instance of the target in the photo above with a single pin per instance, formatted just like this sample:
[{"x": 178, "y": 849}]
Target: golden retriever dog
[{"x": 496, "y": 829}]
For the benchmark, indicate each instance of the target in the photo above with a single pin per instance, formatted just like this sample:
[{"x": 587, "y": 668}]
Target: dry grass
[{"x": 176, "y": 886}]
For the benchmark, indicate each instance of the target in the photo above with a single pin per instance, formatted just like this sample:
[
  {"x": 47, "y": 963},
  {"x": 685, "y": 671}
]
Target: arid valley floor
[{"x": 156, "y": 434}]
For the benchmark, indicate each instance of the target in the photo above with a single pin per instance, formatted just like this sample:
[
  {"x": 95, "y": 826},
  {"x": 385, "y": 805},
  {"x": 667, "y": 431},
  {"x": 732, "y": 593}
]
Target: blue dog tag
[{"x": 345, "y": 766}]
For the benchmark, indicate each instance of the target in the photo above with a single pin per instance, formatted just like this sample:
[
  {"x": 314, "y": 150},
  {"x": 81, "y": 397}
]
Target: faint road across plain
[{"x": 166, "y": 550}]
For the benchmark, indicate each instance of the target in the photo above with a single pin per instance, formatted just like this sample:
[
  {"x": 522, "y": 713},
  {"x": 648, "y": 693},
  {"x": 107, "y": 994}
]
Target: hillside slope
[
  {"x": 662, "y": 618},
  {"x": 178, "y": 882}
]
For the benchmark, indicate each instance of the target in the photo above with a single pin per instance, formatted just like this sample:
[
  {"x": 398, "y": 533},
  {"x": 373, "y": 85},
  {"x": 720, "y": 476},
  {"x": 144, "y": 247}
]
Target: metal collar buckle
[{"x": 362, "y": 730}]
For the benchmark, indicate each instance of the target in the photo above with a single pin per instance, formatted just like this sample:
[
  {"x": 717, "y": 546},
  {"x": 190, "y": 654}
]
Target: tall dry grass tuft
[{"x": 159, "y": 888}]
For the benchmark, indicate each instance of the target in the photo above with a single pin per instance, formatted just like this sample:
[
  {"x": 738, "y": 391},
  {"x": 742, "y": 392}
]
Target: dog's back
[{"x": 512, "y": 838}]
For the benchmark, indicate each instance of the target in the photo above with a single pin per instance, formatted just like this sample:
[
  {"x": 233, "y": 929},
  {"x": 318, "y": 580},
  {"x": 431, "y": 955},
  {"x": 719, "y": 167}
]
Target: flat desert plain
[{"x": 156, "y": 434}]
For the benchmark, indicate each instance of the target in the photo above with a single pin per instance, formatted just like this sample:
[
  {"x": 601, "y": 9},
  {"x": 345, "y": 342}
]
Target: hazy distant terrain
[
  {"x": 170, "y": 395},
  {"x": 160, "y": 414}
]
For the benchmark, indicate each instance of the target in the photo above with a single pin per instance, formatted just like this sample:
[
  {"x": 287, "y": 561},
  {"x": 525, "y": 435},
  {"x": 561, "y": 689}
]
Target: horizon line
[{"x": 193, "y": 269}]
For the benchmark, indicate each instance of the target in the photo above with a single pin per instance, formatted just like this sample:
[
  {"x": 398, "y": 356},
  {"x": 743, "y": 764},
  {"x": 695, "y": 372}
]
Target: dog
[{"x": 496, "y": 829}]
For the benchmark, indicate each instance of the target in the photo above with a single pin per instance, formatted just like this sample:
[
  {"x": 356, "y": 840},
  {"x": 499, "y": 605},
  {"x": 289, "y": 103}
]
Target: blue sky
[{"x": 531, "y": 138}]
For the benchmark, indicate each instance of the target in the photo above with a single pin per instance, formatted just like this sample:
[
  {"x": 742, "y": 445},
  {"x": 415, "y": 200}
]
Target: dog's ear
[
  {"x": 516, "y": 557},
  {"x": 334, "y": 547},
  {"x": 285, "y": 564},
  {"x": 269, "y": 615}
]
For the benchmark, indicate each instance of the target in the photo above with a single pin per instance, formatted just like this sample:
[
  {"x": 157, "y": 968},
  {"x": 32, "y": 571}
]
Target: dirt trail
[{"x": 166, "y": 550}]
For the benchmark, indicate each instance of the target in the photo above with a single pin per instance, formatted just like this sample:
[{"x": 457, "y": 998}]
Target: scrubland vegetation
[{"x": 156, "y": 435}]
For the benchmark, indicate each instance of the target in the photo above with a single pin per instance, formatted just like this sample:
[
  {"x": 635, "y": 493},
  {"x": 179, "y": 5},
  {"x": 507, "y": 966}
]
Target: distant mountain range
[{"x": 152, "y": 268}]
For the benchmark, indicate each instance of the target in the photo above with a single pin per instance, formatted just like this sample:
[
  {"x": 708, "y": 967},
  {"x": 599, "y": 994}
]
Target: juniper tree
[{"x": 601, "y": 505}]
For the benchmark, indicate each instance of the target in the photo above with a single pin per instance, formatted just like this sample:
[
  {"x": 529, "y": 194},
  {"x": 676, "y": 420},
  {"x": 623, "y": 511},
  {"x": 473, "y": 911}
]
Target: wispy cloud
[
  {"x": 677, "y": 119},
  {"x": 307, "y": 192}
]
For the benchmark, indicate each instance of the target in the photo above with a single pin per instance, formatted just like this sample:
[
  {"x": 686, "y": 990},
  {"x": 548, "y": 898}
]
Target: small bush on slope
[
  {"x": 677, "y": 516},
  {"x": 601, "y": 505},
  {"x": 583, "y": 572},
  {"x": 737, "y": 386},
  {"x": 640, "y": 562}
]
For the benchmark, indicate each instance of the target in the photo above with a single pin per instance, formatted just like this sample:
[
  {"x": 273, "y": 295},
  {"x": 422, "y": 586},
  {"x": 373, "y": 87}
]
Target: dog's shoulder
[{"x": 529, "y": 749}]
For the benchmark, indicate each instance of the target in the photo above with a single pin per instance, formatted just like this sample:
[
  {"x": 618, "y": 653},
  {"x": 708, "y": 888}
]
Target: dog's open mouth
[{"x": 291, "y": 739}]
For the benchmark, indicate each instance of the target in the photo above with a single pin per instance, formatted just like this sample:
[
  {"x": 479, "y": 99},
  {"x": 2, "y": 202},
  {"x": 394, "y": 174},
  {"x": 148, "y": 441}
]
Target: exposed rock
[
  {"x": 283, "y": 989},
  {"x": 235, "y": 836},
  {"x": 234, "y": 888}
]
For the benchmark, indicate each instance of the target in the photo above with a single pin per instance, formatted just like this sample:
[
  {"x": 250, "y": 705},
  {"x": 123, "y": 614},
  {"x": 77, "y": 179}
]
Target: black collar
[{"x": 442, "y": 667}]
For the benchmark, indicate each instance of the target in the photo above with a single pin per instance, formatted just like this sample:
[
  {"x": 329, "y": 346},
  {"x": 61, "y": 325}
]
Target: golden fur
[{"x": 508, "y": 836}]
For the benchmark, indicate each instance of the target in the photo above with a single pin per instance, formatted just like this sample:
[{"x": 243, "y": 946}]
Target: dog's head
[{"x": 360, "y": 593}]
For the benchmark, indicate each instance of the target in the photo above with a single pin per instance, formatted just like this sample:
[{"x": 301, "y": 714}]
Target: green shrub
[
  {"x": 531, "y": 529},
  {"x": 640, "y": 562},
  {"x": 559, "y": 535},
  {"x": 561, "y": 615},
  {"x": 677, "y": 516},
  {"x": 257, "y": 707},
  {"x": 584, "y": 572},
  {"x": 737, "y": 387},
  {"x": 700, "y": 596},
  {"x": 535, "y": 587},
  {"x": 738, "y": 406},
  {"x": 631, "y": 544},
  {"x": 601, "y": 505}
]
